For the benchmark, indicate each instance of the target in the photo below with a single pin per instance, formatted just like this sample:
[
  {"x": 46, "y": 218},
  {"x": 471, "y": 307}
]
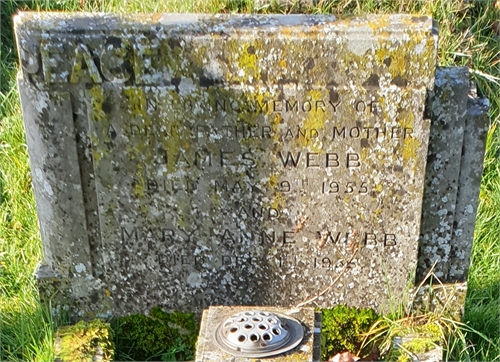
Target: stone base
[
  {"x": 307, "y": 351},
  {"x": 75, "y": 298},
  {"x": 54, "y": 290},
  {"x": 403, "y": 347},
  {"x": 448, "y": 299}
]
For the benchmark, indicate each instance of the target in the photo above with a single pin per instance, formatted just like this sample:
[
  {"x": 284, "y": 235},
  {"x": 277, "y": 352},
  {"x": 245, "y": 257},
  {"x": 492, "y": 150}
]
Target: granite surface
[
  {"x": 471, "y": 169},
  {"x": 191, "y": 160},
  {"x": 453, "y": 176}
]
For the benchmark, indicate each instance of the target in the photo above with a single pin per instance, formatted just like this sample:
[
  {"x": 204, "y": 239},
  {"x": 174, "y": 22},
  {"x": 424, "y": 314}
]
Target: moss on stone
[
  {"x": 342, "y": 329},
  {"x": 142, "y": 337},
  {"x": 85, "y": 341},
  {"x": 420, "y": 339},
  {"x": 420, "y": 345},
  {"x": 416, "y": 346}
]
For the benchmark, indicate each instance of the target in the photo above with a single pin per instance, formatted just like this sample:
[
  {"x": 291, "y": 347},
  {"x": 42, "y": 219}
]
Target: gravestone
[
  {"x": 453, "y": 176},
  {"x": 195, "y": 160}
]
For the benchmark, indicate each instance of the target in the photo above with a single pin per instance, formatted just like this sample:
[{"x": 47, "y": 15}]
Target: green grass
[{"x": 467, "y": 37}]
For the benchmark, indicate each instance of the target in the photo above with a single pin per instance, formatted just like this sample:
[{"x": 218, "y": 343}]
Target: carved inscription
[
  {"x": 336, "y": 133},
  {"x": 194, "y": 158},
  {"x": 220, "y": 180},
  {"x": 149, "y": 238},
  {"x": 235, "y": 160},
  {"x": 280, "y": 106},
  {"x": 172, "y": 235},
  {"x": 311, "y": 159}
]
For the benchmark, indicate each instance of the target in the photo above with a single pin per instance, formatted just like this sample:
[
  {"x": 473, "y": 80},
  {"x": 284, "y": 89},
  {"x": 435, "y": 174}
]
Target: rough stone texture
[
  {"x": 471, "y": 168},
  {"x": 307, "y": 351},
  {"x": 453, "y": 176},
  {"x": 286, "y": 4},
  {"x": 192, "y": 160},
  {"x": 434, "y": 355},
  {"x": 442, "y": 299},
  {"x": 57, "y": 184},
  {"x": 291, "y": 5}
]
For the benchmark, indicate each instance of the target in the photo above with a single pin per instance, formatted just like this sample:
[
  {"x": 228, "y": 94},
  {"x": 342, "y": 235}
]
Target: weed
[
  {"x": 85, "y": 342},
  {"x": 161, "y": 334},
  {"x": 431, "y": 324}
]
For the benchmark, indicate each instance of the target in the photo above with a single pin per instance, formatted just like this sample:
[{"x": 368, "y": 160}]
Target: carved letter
[
  {"x": 354, "y": 132},
  {"x": 284, "y": 186},
  {"x": 291, "y": 106},
  {"x": 262, "y": 107},
  {"x": 127, "y": 236},
  {"x": 247, "y": 156},
  {"x": 82, "y": 54},
  {"x": 320, "y": 105},
  {"x": 370, "y": 239},
  {"x": 151, "y": 185},
  {"x": 396, "y": 132},
  {"x": 227, "y": 236},
  {"x": 222, "y": 155},
  {"x": 361, "y": 106},
  {"x": 332, "y": 160},
  {"x": 113, "y": 57},
  {"x": 353, "y": 160},
  {"x": 146, "y": 59},
  {"x": 266, "y": 238},
  {"x": 334, "y": 105},
  {"x": 289, "y": 159},
  {"x": 389, "y": 239},
  {"x": 288, "y": 240},
  {"x": 306, "y": 106},
  {"x": 218, "y": 186},
  {"x": 337, "y": 132},
  {"x": 310, "y": 161},
  {"x": 167, "y": 234},
  {"x": 375, "y": 107}
]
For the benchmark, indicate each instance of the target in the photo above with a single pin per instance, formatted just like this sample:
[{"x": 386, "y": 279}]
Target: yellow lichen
[
  {"x": 246, "y": 60},
  {"x": 407, "y": 119},
  {"x": 315, "y": 120},
  {"x": 136, "y": 100},
  {"x": 278, "y": 200},
  {"x": 410, "y": 148},
  {"x": 275, "y": 121},
  {"x": 97, "y": 99},
  {"x": 380, "y": 23},
  {"x": 273, "y": 181}
]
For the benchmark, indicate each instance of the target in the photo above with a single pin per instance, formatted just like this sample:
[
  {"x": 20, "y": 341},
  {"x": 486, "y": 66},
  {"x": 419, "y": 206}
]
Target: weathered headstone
[
  {"x": 451, "y": 194},
  {"x": 189, "y": 160},
  {"x": 453, "y": 176}
]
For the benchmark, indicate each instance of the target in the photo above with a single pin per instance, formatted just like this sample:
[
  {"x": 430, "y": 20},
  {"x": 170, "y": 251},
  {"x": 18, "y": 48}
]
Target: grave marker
[
  {"x": 195, "y": 160},
  {"x": 453, "y": 176}
]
